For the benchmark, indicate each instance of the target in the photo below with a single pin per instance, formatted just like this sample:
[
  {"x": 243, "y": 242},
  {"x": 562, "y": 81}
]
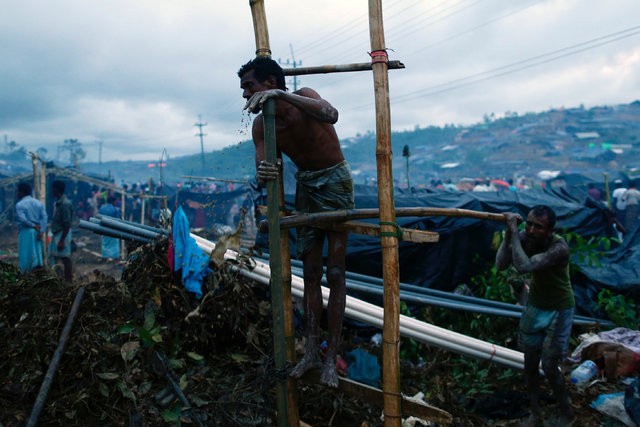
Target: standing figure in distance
[
  {"x": 548, "y": 314},
  {"x": 305, "y": 133},
  {"x": 31, "y": 218},
  {"x": 60, "y": 247},
  {"x": 110, "y": 245},
  {"x": 631, "y": 199}
]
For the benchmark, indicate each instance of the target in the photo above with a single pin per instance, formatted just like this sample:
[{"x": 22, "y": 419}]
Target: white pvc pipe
[{"x": 372, "y": 314}]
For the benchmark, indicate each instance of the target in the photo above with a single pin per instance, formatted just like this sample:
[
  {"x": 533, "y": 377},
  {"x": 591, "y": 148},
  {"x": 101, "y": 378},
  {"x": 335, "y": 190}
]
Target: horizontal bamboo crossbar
[
  {"x": 350, "y": 214},
  {"x": 344, "y": 68},
  {"x": 366, "y": 228},
  {"x": 374, "y": 396}
]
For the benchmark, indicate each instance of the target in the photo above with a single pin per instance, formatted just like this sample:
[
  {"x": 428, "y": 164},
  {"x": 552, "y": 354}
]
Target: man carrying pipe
[
  {"x": 305, "y": 133},
  {"x": 550, "y": 305}
]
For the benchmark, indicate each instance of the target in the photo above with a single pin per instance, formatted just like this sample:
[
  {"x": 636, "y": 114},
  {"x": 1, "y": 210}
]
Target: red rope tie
[{"x": 379, "y": 56}]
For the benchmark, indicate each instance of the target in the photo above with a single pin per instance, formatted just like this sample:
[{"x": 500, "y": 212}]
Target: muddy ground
[{"x": 137, "y": 330}]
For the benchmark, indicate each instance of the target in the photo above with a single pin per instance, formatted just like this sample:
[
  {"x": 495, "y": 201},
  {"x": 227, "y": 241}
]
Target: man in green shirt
[
  {"x": 548, "y": 315},
  {"x": 60, "y": 247}
]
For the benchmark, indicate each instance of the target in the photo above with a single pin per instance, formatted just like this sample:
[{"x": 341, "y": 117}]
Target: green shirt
[
  {"x": 62, "y": 215},
  {"x": 551, "y": 288}
]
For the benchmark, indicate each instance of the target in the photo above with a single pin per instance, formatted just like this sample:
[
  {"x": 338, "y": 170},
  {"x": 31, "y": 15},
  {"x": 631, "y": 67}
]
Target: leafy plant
[
  {"x": 473, "y": 375},
  {"x": 621, "y": 310},
  {"x": 587, "y": 250},
  {"x": 149, "y": 333},
  {"x": 410, "y": 349}
]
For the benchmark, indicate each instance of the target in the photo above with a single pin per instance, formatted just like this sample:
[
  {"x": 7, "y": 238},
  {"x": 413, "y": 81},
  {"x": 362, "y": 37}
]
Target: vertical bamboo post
[
  {"x": 388, "y": 237},
  {"x": 280, "y": 262},
  {"x": 260, "y": 28},
  {"x": 123, "y": 216},
  {"x": 40, "y": 193},
  {"x": 142, "y": 212},
  {"x": 43, "y": 199},
  {"x": 275, "y": 263},
  {"x": 607, "y": 191}
]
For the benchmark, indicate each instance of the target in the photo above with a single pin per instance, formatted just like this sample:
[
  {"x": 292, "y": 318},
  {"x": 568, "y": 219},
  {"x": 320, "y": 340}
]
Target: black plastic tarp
[{"x": 465, "y": 245}]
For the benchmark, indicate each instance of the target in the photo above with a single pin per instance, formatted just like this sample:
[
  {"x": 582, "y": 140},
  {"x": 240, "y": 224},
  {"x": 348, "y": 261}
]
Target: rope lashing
[
  {"x": 397, "y": 233},
  {"x": 378, "y": 56}
]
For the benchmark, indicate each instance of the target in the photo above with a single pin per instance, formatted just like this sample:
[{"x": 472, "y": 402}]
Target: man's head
[
  {"x": 540, "y": 222},
  {"x": 259, "y": 74},
  {"x": 23, "y": 189},
  {"x": 57, "y": 188}
]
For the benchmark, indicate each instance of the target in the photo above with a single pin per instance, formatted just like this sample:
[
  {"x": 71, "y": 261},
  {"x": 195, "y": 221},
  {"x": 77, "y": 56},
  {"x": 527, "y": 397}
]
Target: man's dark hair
[
  {"x": 58, "y": 185},
  {"x": 264, "y": 67},
  {"x": 545, "y": 211},
  {"x": 24, "y": 188}
]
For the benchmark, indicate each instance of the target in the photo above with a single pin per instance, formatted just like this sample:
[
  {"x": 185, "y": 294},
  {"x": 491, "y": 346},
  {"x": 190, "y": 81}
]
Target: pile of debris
[{"x": 142, "y": 350}]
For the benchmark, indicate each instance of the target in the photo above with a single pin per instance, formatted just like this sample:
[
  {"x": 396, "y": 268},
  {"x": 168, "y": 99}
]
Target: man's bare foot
[
  {"x": 329, "y": 375},
  {"x": 310, "y": 360}
]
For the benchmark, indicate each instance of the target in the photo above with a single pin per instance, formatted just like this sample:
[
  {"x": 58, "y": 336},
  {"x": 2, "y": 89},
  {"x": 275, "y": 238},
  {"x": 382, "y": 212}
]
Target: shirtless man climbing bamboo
[{"x": 305, "y": 133}]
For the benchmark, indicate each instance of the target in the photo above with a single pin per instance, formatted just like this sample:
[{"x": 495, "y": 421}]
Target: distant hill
[{"x": 573, "y": 140}]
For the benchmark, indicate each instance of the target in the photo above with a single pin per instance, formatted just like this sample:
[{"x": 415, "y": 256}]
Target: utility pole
[
  {"x": 200, "y": 134},
  {"x": 293, "y": 64},
  {"x": 99, "y": 152}
]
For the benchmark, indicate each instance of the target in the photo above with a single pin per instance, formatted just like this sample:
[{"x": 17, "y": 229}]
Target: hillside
[{"x": 574, "y": 140}]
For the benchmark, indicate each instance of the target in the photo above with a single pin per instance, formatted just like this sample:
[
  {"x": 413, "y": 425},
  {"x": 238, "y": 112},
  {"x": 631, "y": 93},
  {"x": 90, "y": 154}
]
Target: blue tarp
[{"x": 188, "y": 256}]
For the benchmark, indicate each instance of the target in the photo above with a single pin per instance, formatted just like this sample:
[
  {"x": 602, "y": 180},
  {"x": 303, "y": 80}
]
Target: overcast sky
[{"x": 136, "y": 75}]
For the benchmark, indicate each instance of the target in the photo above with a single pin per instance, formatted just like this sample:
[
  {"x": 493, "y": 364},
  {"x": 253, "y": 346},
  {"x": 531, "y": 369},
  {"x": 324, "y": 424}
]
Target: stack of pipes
[
  {"x": 372, "y": 314},
  {"x": 121, "y": 229},
  {"x": 355, "y": 309}
]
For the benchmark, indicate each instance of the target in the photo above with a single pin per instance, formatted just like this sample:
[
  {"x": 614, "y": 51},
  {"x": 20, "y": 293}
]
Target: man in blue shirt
[{"x": 31, "y": 218}]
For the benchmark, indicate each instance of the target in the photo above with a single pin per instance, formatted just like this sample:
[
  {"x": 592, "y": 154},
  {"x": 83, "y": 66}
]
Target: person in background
[
  {"x": 594, "y": 192},
  {"x": 305, "y": 133},
  {"x": 110, "y": 245},
  {"x": 631, "y": 199},
  {"x": 547, "y": 318},
  {"x": 31, "y": 218},
  {"x": 60, "y": 247},
  {"x": 619, "y": 208}
]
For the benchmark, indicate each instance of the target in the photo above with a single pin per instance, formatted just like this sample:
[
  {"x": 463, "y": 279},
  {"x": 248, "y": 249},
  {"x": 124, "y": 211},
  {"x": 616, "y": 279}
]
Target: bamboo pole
[
  {"x": 275, "y": 263},
  {"x": 342, "y": 68},
  {"x": 55, "y": 360},
  {"x": 388, "y": 240},
  {"x": 351, "y": 214},
  {"x": 206, "y": 178},
  {"x": 283, "y": 334},
  {"x": 607, "y": 191},
  {"x": 260, "y": 29},
  {"x": 40, "y": 193}
]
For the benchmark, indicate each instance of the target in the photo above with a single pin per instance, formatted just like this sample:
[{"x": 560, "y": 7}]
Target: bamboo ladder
[{"x": 388, "y": 231}]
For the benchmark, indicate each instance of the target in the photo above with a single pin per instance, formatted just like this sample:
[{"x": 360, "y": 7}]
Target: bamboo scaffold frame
[{"x": 280, "y": 261}]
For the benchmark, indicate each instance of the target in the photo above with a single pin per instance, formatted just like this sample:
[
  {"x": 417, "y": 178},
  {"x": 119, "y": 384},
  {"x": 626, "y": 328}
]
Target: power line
[
  {"x": 484, "y": 24},
  {"x": 519, "y": 65}
]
